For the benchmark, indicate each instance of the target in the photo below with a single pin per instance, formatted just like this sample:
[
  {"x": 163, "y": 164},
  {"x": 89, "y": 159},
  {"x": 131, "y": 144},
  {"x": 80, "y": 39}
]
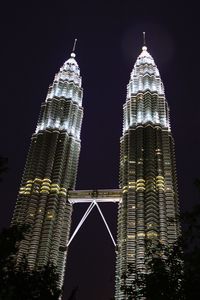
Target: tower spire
[
  {"x": 144, "y": 39},
  {"x": 73, "y": 49},
  {"x": 144, "y": 47}
]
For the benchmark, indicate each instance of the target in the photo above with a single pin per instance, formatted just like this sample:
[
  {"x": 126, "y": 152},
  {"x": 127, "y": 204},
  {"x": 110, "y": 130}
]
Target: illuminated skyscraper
[
  {"x": 51, "y": 170},
  {"x": 147, "y": 171},
  {"x": 148, "y": 190}
]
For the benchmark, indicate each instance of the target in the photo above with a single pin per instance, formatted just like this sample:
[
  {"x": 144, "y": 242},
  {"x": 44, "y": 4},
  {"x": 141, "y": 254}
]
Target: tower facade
[
  {"x": 147, "y": 171},
  {"x": 51, "y": 170}
]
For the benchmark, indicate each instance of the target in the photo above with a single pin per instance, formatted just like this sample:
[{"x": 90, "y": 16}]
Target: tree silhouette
[
  {"x": 163, "y": 277},
  {"x": 18, "y": 281}
]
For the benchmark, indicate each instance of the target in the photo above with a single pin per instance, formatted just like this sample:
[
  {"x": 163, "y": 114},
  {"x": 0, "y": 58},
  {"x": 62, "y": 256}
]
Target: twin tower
[{"x": 147, "y": 195}]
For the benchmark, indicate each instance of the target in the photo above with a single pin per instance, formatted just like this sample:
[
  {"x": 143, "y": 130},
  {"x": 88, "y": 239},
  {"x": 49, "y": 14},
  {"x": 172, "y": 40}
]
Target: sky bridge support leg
[
  {"x": 92, "y": 204},
  {"x": 104, "y": 220}
]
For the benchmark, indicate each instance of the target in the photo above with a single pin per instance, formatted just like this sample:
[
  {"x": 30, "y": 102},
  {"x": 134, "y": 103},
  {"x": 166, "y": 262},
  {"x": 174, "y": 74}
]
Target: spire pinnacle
[
  {"x": 144, "y": 48},
  {"x": 144, "y": 39},
  {"x": 73, "y": 49}
]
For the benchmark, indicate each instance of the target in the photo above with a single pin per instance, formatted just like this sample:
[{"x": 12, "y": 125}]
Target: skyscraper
[
  {"x": 51, "y": 170},
  {"x": 147, "y": 197},
  {"x": 147, "y": 171}
]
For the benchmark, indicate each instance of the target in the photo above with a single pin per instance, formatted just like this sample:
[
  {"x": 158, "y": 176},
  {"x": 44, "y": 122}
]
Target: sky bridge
[
  {"x": 88, "y": 196},
  {"x": 94, "y": 197}
]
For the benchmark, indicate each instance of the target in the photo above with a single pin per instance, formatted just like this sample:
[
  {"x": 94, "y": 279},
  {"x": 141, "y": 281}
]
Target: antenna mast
[
  {"x": 144, "y": 39},
  {"x": 73, "y": 49}
]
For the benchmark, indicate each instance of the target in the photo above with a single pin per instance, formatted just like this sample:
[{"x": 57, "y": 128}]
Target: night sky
[{"x": 36, "y": 39}]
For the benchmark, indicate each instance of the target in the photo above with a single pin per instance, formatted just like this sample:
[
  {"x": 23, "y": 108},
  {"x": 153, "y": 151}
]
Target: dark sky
[{"x": 36, "y": 39}]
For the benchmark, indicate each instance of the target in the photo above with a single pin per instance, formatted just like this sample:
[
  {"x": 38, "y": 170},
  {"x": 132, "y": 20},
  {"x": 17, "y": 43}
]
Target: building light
[
  {"x": 141, "y": 234},
  {"x": 152, "y": 235},
  {"x": 131, "y": 236}
]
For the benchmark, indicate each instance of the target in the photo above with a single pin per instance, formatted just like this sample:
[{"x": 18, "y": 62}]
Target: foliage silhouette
[{"x": 18, "y": 281}]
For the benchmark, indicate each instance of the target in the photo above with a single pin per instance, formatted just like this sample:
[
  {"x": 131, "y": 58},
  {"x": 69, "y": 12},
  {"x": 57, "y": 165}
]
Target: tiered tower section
[
  {"x": 51, "y": 170},
  {"x": 149, "y": 204}
]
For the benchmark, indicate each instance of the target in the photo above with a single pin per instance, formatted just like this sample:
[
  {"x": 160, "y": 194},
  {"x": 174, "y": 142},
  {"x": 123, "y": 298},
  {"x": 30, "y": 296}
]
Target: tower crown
[
  {"x": 145, "y": 102},
  {"x": 70, "y": 71},
  {"x": 66, "y": 81},
  {"x": 63, "y": 107},
  {"x": 145, "y": 75},
  {"x": 145, "y": 57},
  {"x": 71, "y": 64}
]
